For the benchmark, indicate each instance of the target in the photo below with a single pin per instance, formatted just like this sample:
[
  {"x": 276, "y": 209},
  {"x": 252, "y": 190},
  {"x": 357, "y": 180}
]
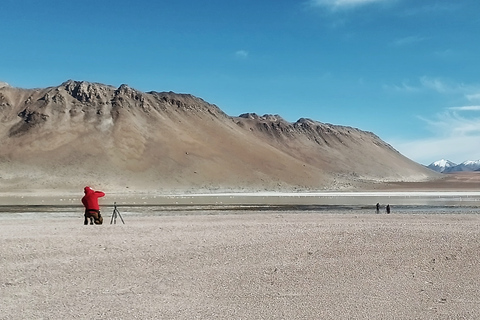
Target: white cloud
[
  {"x": 403, "y": 87},
  {"x": 242, "y": 54},
  {"x": 446, "y": 54},
  {"x": 451, "y": 123},
  {"x": 456, "y": 137},
  {"x": 343, "y": 4},
  {"x": 455, "y": 132},
  {"x": 407, "y": 41},
  {"x": 436, "y": 84},
  {"x": 439, "y": 85},
  {"x": 469, "y": 92},
  {"x": 466, "y": 108},
  {"x": 426, "y": 151},
  {"x": 434, "y": 8},
  {"x": 473, "y": 96}
]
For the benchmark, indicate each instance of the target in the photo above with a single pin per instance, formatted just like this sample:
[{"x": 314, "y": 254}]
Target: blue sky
[{"x": 406, "y": 70}]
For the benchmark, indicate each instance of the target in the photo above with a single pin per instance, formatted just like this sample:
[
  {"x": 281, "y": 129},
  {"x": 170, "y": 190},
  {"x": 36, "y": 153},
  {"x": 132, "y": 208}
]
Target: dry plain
[
  {"x": 241, "y": 264},
  {"x": 274, "y": 265}
]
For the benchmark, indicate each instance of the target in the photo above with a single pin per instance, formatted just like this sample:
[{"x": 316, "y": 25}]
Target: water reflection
[
  {"x": 127, "y": 212},
  {"x": 229, "y": 203}
]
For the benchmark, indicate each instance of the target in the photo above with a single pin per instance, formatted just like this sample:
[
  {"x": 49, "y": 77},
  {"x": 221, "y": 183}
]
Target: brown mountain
[{"x": 82, "y": 133}]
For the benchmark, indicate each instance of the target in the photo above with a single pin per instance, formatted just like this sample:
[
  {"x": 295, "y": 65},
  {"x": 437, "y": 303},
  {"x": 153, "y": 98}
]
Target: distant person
[
  {"x": 92, "y": 209},
  {"x": 388, "y": 208},
  {"x": 378, "y": 207}
]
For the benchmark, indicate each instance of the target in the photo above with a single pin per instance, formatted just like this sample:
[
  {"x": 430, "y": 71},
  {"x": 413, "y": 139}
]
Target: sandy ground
[{"x": 256, "y": 265}]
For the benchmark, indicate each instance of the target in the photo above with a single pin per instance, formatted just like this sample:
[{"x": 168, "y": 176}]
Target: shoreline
[
  {"x": 420, "y": 198},
  {"x": 129, "y": 213}
]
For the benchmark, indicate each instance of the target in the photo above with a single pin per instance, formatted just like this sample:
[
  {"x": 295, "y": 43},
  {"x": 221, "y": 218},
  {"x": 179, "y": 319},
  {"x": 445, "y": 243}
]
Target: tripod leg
[
  {"x": 113, "y": 216},
  {"x": 120, "y": 216}
]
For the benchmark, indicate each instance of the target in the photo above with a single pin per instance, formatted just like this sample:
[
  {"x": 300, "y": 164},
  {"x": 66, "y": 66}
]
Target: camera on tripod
[{"x": 115, "y": 214}]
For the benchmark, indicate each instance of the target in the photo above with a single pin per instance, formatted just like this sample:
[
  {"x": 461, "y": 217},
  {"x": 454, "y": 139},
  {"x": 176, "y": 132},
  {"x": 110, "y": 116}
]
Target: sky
[{"x": 406, "y": 70}]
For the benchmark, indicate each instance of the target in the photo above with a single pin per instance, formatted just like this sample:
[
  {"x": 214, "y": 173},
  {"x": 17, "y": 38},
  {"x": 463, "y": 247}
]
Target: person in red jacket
[{"x": 92, "y": 209}]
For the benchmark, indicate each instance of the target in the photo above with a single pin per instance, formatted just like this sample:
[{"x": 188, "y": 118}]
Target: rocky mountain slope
[{"x": 82, "y": 133}]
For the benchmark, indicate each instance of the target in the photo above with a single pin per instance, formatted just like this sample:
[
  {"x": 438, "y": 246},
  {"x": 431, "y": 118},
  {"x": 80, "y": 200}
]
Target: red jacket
[{"x": 90, "y": 199}]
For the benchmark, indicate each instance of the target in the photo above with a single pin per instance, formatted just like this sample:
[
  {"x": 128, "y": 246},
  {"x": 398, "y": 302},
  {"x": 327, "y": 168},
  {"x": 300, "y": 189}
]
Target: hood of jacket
[{"x": 88, "y": 190}]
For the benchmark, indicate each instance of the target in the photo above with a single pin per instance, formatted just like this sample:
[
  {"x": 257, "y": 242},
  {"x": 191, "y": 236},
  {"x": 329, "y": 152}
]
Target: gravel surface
[{"x": 256, "y": 265}]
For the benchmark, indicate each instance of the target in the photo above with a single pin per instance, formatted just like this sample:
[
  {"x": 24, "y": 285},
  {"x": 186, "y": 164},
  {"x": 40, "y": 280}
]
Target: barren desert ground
[
  {"x": 271, "y": 265},
  {"x": 244, "y": 257},
  {"x": 241, "y": 264}
]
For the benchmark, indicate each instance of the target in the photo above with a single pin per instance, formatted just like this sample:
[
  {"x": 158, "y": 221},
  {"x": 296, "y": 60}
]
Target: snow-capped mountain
[
  {"x": 465, "y": 166},
  {"x": 446, "y": 166},
  {"x": 441, "y": 165}
]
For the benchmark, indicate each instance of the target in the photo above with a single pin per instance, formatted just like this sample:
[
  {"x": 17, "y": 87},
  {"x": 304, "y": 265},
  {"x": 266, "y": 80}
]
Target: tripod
[{"x": 115, "y": 213}]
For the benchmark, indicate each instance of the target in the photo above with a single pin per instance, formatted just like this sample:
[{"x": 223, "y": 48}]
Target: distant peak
[
  {"x": 305, "y": 120},
  {"x": 249, "y": 115},
  {"x": 74, "y": 83},
  {"x": 125, "y": 88},
  {"x": 265, "y": 117},
  {"x": 471, "y": 162},
  {"x": 70, "y": 85},
  {"x": 85, "y": 91},
  {"x": 69, "y": 82},
  {"x": 273, "y": 117},
  {"x": 443, "y": 163}
]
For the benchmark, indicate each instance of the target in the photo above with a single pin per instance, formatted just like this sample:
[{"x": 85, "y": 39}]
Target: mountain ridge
[
  {"x": 89, "y": 133},
  {"x": 446, "y": 166}
]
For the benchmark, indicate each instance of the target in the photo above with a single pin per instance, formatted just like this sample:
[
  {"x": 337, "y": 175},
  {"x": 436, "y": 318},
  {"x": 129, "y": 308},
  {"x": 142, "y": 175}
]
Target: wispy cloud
[
  {"x": 470, "y": 92},
  {"x": 241, "y": 54},
  {"x": 437, "y": 84},
  {"x": 454, "y": 131},
  {"x": 453, "y": 148},
  {"x": 432, "y": 9},
  {"x": 455, "y": 136},
  {"x": 473, "y": 97},
  {"x": 446, "y": 54},
  {"x": 343, "y": 4},
  {"x": 405, "y": 86},
  {"x": 408, "y": 41},
  {"x": 453, "y": 123},
  {"x": 466, "y": 108}
]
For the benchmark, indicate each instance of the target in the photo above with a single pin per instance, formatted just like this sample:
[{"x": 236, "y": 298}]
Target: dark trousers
[{"x": 94, "y": 216}]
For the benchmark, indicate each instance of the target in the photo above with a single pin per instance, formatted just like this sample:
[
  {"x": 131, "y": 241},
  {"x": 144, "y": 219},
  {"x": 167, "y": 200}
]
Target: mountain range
[
  {"x": 118, "y": 138},
  {"x": 446, "y": 166}
]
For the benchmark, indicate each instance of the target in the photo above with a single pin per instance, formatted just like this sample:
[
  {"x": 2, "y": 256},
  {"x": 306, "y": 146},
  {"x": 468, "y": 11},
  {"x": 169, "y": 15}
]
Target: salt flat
[
  {"x": 255, "y": 265},
  {"x": 319, "y": 255}
]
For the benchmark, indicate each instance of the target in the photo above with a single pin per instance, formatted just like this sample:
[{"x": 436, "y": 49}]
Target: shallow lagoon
[
  {"x": 423, "y": 198},
  {"x": 35, "y": 206}
]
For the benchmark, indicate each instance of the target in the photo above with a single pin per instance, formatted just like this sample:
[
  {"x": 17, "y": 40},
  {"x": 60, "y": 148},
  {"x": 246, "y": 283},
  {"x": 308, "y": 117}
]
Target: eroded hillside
[{"x": 119, "y": 138}]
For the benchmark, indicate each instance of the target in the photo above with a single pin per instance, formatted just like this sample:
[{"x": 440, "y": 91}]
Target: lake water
[{"x": 235, "y": 203}]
